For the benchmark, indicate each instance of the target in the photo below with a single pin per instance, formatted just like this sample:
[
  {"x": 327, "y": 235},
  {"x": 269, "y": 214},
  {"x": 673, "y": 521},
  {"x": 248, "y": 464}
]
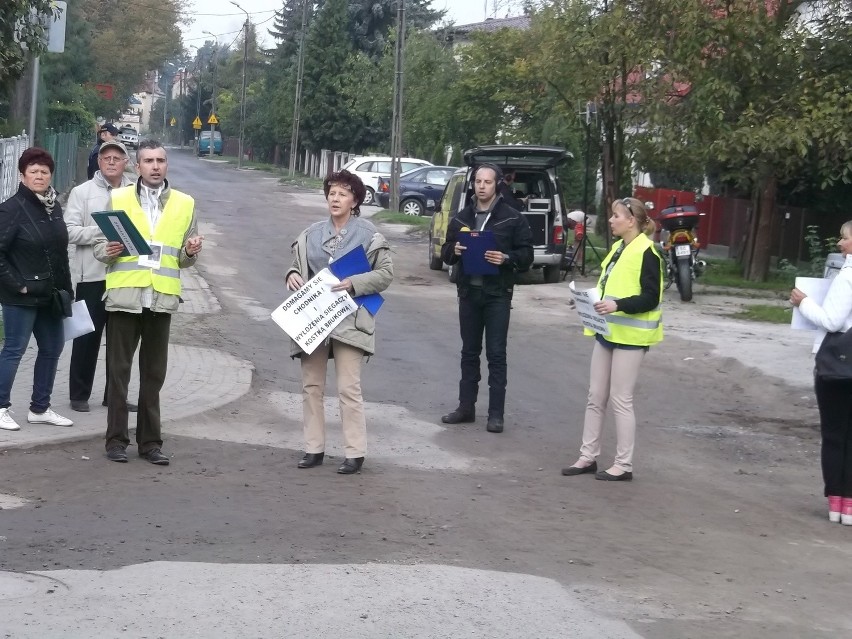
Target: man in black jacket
[
  {"x": 106, "y": 133},
  {"x": 485, "y": 300}
]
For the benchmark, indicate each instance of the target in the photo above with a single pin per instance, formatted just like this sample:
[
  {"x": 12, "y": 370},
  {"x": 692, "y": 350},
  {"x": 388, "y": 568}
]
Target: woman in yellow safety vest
[{"x": 631, "y": 291}]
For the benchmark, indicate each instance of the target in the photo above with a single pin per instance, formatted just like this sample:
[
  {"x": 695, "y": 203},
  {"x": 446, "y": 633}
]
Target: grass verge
[
  {"x": 728, "y": 273},
  {"x": 302, "y": 180},
  {"x": 765, "y": 313},
  {"x": 392, "y": 217}
]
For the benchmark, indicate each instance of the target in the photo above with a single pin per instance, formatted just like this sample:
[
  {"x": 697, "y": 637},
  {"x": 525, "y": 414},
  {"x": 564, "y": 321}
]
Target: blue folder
[
  {"x": 473, "y": 257},
  {"x": 355, "y": 262}
]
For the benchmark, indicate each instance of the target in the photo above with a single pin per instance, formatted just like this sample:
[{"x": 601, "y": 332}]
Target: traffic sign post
[
  {"x": 196, "y": 123},
  {"x": 212, "y": 121}
]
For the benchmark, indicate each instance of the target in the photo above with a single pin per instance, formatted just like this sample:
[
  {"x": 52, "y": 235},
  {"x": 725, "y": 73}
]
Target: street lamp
[
  {"x": 213, "y": 99},
  {"x": 243, "y": 99}
]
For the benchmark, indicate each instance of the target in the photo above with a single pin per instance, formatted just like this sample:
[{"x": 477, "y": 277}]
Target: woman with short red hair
[{"x": 33, "y": 265}]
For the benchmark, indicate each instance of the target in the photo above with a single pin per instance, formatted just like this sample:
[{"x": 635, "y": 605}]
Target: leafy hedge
[{"x": 71, "y": 118}]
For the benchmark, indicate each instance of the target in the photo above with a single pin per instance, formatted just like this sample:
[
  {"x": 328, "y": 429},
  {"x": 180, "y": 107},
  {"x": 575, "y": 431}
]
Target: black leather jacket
[
  {"x": 24, "y": 253},
  {"x": 513, "y": 236}
]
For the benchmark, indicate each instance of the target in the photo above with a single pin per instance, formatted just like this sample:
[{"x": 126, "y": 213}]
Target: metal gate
[{"x": 10, "y": 151}]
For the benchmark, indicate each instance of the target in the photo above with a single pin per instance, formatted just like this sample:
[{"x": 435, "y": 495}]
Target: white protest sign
[
  {"x": 584, "y": 301},
  {"x": 815, "y": 288},
  {"x": 312, "y": 312}
]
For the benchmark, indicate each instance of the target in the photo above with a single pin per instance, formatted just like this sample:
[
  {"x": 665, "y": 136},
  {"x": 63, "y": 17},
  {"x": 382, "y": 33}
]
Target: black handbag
[
  {"x": 60, "y": 303},
  {"x": 834, "y": 357}
]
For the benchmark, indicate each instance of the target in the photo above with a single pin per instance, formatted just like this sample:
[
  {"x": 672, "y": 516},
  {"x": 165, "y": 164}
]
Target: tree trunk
[
  {"x": 756, "y": 268},
  {"x": 19, "y": 105},
  {"x": 609, "y": 178}
]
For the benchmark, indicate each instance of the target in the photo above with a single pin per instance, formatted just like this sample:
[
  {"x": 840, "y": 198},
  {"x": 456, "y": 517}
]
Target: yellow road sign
[
  {"x": 196, "y": 123},
  {"x": 173, "y": 122},
  {"x": 212, "y": 119}
]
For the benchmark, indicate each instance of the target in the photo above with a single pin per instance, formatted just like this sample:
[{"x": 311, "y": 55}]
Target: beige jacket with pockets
[{"x": 358, "y": 329}]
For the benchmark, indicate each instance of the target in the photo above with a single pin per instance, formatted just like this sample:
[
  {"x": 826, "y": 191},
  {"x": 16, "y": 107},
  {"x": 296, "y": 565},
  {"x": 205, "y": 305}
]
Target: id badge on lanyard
[{"x": 152, "y": 260}]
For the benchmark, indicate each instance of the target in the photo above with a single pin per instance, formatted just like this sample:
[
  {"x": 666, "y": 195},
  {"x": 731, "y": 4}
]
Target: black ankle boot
[
  {"x": 494, "y": 424},
  {"x": 351, "y": 465},
  {"x": 311, "y": 459},
  {"x": 461, "y": 415}
]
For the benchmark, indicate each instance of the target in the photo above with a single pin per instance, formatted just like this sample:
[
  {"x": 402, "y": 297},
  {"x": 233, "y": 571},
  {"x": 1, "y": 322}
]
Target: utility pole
[
  {"x": 197, "y": 77},
  {"x": 34, "y": 98},
  {"x": 167, "y": 90},
  {"x": 243, "y": 98},
  {"x": 396, "y": 126},
  {"x": 180, "y": 106},
  {"x": 213, "y": 99},
  {"x": 297, "y": 105}
]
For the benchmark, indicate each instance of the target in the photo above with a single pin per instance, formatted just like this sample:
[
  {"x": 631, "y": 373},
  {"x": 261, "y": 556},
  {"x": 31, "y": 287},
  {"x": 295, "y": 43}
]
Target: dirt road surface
[{"x": 448, "y": 531}]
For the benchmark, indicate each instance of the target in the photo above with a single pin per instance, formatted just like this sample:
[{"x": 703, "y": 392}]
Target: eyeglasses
[
  {"x": 111, "y": 159},
  {"x": 626, "y": 202}
]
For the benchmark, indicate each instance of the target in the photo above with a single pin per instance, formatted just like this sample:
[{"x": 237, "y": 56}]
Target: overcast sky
[{"x": 224, "y": 19}]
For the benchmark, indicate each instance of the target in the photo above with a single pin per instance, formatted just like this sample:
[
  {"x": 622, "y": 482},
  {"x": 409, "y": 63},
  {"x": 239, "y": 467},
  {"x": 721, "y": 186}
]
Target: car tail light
[{"x": 558, "y": 235}]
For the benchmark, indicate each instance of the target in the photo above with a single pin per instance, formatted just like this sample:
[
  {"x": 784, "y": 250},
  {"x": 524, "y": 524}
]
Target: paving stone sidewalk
[{"x": 198, "y": 379}]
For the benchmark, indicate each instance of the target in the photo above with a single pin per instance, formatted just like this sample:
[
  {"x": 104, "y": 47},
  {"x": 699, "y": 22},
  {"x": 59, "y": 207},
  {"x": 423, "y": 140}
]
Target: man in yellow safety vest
[{"x": 142, "y": 292}]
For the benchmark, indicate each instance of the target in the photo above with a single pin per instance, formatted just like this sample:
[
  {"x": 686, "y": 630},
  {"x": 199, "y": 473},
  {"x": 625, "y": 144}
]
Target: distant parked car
[
  {"x": 370, "y": 167},
  {"x": 129, "y": 137},
  {"x": 204, "y": 143},
  {"x": 419, "y": 189}
]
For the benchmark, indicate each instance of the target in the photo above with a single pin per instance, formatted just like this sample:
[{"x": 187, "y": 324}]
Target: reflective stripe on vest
[
  {"x": 639, "y": 329},
  {"x": 126, "y": 272}
]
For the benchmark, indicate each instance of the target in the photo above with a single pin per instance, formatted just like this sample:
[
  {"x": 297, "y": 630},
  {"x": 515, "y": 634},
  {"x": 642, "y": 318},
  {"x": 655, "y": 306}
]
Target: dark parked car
[{"x": 419, "y": 189}]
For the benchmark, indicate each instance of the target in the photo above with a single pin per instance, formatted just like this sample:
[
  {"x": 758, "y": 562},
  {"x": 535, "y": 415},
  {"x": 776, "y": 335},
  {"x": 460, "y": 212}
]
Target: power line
[
  {"x": 193, "y": 13},
  {"x": 228, "y": 33}
]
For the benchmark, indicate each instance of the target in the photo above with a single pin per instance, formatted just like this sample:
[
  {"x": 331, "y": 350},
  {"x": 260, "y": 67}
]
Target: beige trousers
[
  {"x": 347, "y": 365},
  {"x": 612, "y": 378}
]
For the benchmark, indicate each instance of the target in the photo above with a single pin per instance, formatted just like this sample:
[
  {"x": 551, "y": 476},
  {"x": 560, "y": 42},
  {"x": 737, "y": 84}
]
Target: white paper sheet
[
  {"x": 815, "y": 288},
  {"x": 584, "y": 300},
  {"x": 311, "y": 313}
]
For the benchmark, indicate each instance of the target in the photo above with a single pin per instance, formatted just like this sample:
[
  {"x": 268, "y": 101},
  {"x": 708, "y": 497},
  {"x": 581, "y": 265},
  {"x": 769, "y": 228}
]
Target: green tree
[
  {"x": 20, "y": 38},
  {"x": 121, "y": 57},
  {"x": 768, "y": 100},
  {"x": 372, "y": 21},
  {"x": 326, "y": 113}
]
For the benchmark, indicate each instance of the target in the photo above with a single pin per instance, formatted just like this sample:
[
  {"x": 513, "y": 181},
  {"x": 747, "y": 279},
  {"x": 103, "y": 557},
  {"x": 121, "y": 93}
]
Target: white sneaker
[
  {"x": 6, "y": 421},
  {"x": 49, "y": 417}
]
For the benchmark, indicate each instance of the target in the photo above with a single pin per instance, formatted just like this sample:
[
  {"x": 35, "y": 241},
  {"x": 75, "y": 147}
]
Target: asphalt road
[{"x": 448, "y": 531}]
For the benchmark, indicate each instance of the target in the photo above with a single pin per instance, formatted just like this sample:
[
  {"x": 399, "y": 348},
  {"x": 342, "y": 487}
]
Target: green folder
[{"x": 117, "y": 227}]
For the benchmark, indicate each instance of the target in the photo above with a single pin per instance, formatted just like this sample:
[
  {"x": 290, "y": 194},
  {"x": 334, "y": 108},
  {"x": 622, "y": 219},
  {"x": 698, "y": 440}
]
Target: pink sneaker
[
  {"x": 846, "y": 511},
  {"x": 835, "y": 505}
]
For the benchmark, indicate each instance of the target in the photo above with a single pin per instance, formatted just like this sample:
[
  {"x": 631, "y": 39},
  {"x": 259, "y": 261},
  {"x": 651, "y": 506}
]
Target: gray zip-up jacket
[
  {"x": 358, "y": 329},
  {"x": 85, "y": 199}
]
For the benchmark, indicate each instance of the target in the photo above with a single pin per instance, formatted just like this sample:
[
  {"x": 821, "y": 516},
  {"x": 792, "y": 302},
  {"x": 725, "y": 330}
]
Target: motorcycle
[{"x": 681, "y": 247}]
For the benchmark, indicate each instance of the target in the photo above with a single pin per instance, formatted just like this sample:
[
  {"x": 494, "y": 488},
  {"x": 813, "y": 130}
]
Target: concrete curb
[{"x": 198, "y": 379}]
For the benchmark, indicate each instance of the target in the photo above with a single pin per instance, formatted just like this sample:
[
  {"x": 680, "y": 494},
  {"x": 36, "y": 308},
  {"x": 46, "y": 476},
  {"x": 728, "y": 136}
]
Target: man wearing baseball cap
[
  {"x": 87, "y": 273},
  {"x": 106, "y": 133}
]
